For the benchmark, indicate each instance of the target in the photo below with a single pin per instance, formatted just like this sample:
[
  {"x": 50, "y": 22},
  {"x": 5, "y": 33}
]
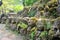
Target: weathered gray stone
[{"x": 12, "y": 26}]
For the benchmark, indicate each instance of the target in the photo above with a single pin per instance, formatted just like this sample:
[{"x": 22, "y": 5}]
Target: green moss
[{"x": 22, "y": 25}]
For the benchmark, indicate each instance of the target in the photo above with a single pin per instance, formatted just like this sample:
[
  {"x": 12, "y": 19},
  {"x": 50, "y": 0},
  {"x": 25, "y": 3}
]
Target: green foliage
[
  {"x": 22, "y": 25},
  {"x": 43, "y": 34},
  {"x": 14, "y": 5},
  {"x": 18, "y": 8},
  {"x": 29, "y": 2},
  {"x": 32, "y": 13},
  {"x": 32, "y": 35}
]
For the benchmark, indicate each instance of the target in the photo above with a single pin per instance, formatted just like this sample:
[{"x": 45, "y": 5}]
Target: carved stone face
[
  {"x": 40, "y": 25},
  {"x": 30, "y": 22}
]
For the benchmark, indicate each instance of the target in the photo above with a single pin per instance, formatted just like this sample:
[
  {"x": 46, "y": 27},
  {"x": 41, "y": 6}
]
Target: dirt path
[{"x": 6, "y": 34}]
